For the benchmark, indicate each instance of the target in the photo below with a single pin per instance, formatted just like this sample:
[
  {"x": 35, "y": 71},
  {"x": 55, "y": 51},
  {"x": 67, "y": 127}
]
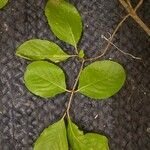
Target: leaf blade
[
  {"x": 90, "y": 141},
  {"x": 64, "y": 21},
  {"x": 37, "y": 49},
  {"x": 101, "y": 79},
  {"x": 3, "y": 3},
  {"x": 44, "y": 79},
  {"x": 54, "y": 137}
]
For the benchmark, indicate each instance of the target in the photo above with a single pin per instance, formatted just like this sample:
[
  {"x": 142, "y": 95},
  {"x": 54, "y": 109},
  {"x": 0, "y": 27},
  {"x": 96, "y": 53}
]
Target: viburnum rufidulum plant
[{"x": 99, "y": 80}]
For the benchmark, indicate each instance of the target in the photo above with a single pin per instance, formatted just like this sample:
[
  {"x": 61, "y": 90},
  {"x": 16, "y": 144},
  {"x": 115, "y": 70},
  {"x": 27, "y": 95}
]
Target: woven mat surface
[{"x": 124, "y": 118}]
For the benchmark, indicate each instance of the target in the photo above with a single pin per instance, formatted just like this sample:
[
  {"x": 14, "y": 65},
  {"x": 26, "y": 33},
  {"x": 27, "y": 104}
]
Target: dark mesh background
[{"x": 124, "y": 118}]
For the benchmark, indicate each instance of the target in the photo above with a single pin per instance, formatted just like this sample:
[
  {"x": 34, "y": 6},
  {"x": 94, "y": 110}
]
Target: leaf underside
[
  {"x": 64, "y": 20},
  {"x": 53, "y": 138},
  {"x": 90, "y": 141},
  {"x": 101, "y": 79},
  {"x": 37, "y": 49},
  {"x": 3, "y": 3},
  {"x": 44, "y": 79}
]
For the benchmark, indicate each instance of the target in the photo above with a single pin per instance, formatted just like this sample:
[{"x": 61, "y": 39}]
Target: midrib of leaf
[
  {"x": 48, "y": 138},
  {"x": 72, "y": 35},
  {"x": 51, "y": 82},
  {"x": 60, "y": 56},
  {"x": 59, "y": 139},
  {"x": 89, "y": 84},
  {"x": 71, "y": 31},
  {"x": 53, "y": 56},
  {"x": 45, "y": 47},
  {"x": 59, "y": 134}
]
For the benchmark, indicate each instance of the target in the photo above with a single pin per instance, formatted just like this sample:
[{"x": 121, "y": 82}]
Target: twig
[
  {"x": 138, "y": 5},
  {"x": 76, "y": 50},
  {"x": 141, "y": 23},
  {"x": 120, "y": 49},
  {"x": 108, "y": 45},
  {"x": 132, "y": 13},
  {"x": 125, "y": 4},
  {"x": 73, "y": 90},
  {"x": 129, "y": 3}
]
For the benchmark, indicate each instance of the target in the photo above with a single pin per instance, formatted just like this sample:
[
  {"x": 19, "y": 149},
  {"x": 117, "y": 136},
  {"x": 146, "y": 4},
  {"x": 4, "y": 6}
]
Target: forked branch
[
  {"x": 73, "y": 90},
  {"x": 111, "y": 39},
  {"x": 132, "y": 12},
  {"x": 125, "y": 53}
]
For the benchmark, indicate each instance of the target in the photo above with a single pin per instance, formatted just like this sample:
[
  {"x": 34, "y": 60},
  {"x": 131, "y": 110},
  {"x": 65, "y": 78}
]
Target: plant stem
[
  {"x": 73, "y": 90},
  {"x": 132, "y": 12},
  {"x": 138, "y": 5},
  {"x": 141, "y": 23},
  {"x": 76, "y": 50},
  {"x": 134, "y": 57},
  {"x": 111, "y": 39},
  {"x": 129, "y": 3}
]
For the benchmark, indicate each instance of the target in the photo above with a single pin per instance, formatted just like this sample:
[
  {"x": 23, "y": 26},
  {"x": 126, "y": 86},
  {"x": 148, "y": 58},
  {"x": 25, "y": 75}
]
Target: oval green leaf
[
  {"x": 44, "y": 79},
  {"x": 53, "y": 138},
  {"x": 102, "y": 79},
  {"x": 90, "y": 141},
  {"x": 3, "y": 3},
  {"x": 64, "y": 21},
  {"x": 36, "y": 49}
]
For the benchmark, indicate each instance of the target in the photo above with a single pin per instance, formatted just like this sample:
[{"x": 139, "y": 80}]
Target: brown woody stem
[
  {"x": 73, "y": 90},
  {"x": 132, "y": 12},
  {"x": 111, "y": 39},
  {"x": 141, "y": 23}
]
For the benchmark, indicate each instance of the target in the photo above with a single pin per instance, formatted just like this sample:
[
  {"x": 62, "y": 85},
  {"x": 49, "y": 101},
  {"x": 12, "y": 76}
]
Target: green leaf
[
  {"x": 3, "y": 3},
  {"x": 36, "y": 49},
  {"x": 53, "y": 138},
  {"x": 102, "y": 79},
  {"x": 90, "y": 141},
  {"x": 64, "y": 21},
  {"x": 44, "y": 79}
]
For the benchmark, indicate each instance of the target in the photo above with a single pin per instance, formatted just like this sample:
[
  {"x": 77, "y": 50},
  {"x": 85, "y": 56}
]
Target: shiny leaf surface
[
  {"x": 90, "y": 141},
  {"x": 44, "y": 79},
  {"x": 102, "y": 79},
  {"x": 53, "y": 138},
  {"x": 64, "y": 21},
  {"x": 36, "y": 49}
]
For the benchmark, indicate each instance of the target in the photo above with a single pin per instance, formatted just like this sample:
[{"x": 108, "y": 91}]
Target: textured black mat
[{"x": 125, "y": 118}]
